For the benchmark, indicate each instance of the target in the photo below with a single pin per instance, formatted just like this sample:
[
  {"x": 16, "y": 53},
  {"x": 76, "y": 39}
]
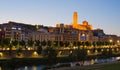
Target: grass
[{"x": 107, "y": 66}]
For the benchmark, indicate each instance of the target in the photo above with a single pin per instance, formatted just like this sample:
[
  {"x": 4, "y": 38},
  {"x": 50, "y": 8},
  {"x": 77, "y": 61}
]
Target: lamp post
[
  {"x": 118, "y": 42},
  {"x": 118, "y": 45},
  {"x": 11, "y": 44},
  {"x": 110, "y": 51}
]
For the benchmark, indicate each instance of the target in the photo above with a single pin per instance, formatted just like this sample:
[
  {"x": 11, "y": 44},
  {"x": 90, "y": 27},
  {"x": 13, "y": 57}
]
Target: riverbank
[
  {"x": 102, "y": 66},
  {"x": 31, "y": 61}
]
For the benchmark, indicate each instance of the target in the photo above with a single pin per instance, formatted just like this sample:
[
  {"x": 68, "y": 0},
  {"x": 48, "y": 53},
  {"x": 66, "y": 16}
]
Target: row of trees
[
  {"x": 93, "y": 43},
  {"x": 81, "y": 54},
  {"x": 51, "y": 52},
  {"x": 30, "y": 43}
]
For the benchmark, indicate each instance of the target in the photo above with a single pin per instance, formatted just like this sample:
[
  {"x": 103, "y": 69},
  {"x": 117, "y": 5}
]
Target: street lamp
[
  {"x": 110, "y": 51},
  {"x": 118, "y": 42},
  {"x": 110, "y": 41},
  {"x": 10, "y": 44},
  {"x": 118, "y": 45}
]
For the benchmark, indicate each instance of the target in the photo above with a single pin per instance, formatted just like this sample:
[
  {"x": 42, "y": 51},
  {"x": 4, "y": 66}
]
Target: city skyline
[{"x": 103, "y": 14}]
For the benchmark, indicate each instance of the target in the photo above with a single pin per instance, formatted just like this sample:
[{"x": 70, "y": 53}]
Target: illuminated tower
[{"x": 75, "y": 18}]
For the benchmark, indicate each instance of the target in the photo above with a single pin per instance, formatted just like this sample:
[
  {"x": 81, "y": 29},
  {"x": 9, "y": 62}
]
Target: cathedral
[
  {"x": 83, "y": 26},
  {"x": 76, "y": 25}
]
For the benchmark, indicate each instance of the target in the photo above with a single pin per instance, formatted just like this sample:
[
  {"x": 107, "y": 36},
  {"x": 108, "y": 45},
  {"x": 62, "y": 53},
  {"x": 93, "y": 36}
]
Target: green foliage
[
  {"x": 6, "y": 42},
  {"x": 74, "y": 43},
  {"x": 67, "y": 44},
  {"x": 50, "y": 52},
  {"x": 39, "y": 49},
  {"x": 37, "y": 43},
  {"x": 43, "y": 43},
  {"x": 56, "y": 43},
  {"x": 106, "y": 53},
  {"x": 22, "y": 43},
  {"x": 49, "y": 43},
  {"x": 87, "y": 43},
  {"x": 94, "y": 44},
  {"x": 19, "y": 50},
  {"x": 1, "y": 43},
  {"x": 79, "y": 43},
  {"x": 61, "y": 43},
  {"x": 79, "y": 54},
  {"x": 15, "y": 43},
  {"x": 83, "y": 44},
  {"x": 30, "y": 43}
]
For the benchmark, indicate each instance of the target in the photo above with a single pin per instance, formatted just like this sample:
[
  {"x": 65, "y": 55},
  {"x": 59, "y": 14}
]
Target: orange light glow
[
  {"x": 83, "y": 26},
  {"x": 35, "y": 53},
  {"x": 1, "y": 54}
]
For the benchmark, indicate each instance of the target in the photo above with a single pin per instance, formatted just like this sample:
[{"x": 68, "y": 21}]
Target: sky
[{"x": 102, "y": 14}]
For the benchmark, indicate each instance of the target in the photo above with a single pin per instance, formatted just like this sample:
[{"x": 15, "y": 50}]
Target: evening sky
[{"x": 103, "y": 14}]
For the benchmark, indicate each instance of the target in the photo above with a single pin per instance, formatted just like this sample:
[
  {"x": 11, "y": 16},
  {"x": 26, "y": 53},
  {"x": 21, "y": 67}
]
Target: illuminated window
[{"x": 83, "y": 37}]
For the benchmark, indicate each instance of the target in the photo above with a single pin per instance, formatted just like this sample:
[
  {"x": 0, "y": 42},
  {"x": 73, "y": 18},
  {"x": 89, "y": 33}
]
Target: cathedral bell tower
[{"x": 75, "y": 19}]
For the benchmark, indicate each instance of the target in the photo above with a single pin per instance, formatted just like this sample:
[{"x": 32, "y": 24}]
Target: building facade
[{"x": 62, "y": 32}]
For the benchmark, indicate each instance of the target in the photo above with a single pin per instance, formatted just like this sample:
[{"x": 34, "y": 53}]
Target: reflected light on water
[
  {"x": 34, "y": 68},
  {"x": 118, "y": 58},
  {"x": 92, "y": 61},
  {"x": 0, "y": 68},
  {"x": 26, "y": 68}
]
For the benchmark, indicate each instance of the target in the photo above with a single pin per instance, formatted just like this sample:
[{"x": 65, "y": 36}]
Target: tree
[
  {"x": 110, "y": 53},
  {"x": 67, "y": 44},
  {"x": 49, "y": 43},
  {"x": 61, "y": 44},
  {"x": 6, "y": 42},
  {"x": 10, "y": 51},
  {"x": 87, "y": 43},
  {"x": 43, "y": 43},
  {"x": 50, "y": 52},
  {"x": 84, "y": 52},
  {"x": 78, "y": 43},
  {"x": 15, "y": 43},
  {"x": 79, "y": 54},
  {"x": 56, "y": 43},
  {"x": 22, "y": 43},
  {"x": 30, "y": 43},
  {"x": 74, "y": 43},
  {"x": 1, "y": 43},
  {"x": 37, "y": 43},
  {"x": 106, "y": 43},
  {"x": 107, "y": 53},
  {"x": 94, "y": 46},
  {"x": 39, "y": 49}
]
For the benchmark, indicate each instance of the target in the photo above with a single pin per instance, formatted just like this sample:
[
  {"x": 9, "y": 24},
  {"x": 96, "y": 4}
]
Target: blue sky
[{"x": 104, "y": 14}]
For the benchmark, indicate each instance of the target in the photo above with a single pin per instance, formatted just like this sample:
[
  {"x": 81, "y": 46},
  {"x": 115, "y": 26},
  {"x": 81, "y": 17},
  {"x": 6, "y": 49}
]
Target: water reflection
[
  {"x": 26, "y": 68},
  {"x": 30, "y": 68},
  {"x": 118, "y": 58},
  {"x": 97, "y": 61},
  {"x": 91, "y": 62},
  {"x": 34, "y": 68},
  {"x": 0, "y": 68}
]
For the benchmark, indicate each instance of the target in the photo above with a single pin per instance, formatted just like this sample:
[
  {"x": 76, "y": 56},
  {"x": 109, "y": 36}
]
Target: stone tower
[{"x": 75, "y": 18}]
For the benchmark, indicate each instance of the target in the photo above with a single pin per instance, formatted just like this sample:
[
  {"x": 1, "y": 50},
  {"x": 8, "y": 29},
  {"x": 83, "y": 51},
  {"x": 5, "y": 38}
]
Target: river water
[
  {"x": 30, "y": 68},
  {"x": 91, "y": 62}
]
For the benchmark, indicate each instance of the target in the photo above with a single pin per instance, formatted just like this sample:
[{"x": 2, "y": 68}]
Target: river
[{"x": 40, "y": 67}]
